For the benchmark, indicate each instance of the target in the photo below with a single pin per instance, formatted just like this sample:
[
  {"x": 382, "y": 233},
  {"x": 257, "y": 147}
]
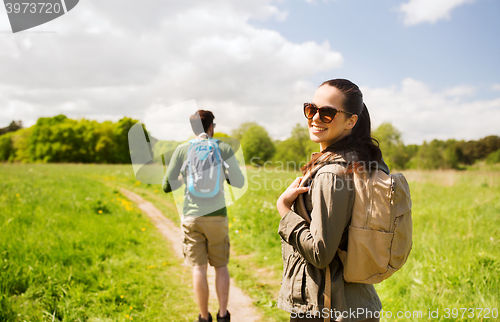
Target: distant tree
[
  {"x": 13, "y": 126},
  {"x": 6, "y": 148},
  {"x": 472, "y": 151},
  {"x": 493, "y": 157},
  {"x": 165, "y": 149},
  {"x": 45, "y": 143},
  {"x": 488, "y": 145},
  {"x": 297, "y": 148},
  {"x": 238, "y": 132},
  {"x": 59, "y": 139},
  {"x": 221, "y": 135},
  {"x": 425, "y": 158},
  {"x": 435, "y": 155},
  {"x": 120, "y": 135},
  {"x": 234, "y": 143},
  {"x": 257, "y": 145},
  {"x": 392, "y": 146},
  {"x": 102, "y": 138},
  {"x": 451, "y": 155},
  {"x": 20, "y": 142}
]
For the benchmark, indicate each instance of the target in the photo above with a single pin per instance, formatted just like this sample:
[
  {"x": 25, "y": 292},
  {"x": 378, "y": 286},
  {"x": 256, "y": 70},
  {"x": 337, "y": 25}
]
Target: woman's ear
[{"x": 352, "y": 122}]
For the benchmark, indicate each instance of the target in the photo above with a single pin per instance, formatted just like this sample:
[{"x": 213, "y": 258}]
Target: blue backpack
[{"x": 204, "y": 168}]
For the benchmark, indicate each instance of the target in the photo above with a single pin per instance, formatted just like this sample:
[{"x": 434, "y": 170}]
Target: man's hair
[{"x": 201, "y": 121}]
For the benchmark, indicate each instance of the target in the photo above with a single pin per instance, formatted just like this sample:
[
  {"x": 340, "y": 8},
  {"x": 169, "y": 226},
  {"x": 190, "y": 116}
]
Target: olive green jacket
[{"x": 308, "y": 249}]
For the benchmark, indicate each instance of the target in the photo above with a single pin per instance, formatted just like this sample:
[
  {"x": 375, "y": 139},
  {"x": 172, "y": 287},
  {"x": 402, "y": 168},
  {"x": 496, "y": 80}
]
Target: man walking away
[{"x": 204, "y": 164}]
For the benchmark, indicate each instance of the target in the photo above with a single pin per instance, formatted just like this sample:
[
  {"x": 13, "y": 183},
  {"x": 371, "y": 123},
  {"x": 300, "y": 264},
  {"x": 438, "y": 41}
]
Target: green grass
[
  {"x": 73, "y": 249},
  {"x": 455, "y": 261}
]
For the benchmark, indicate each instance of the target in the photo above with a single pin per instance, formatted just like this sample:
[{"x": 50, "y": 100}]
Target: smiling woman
[{"x": 313, "y": 280}]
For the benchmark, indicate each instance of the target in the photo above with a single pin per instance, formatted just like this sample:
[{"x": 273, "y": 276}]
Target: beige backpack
[{"x": 380, "y": 232}]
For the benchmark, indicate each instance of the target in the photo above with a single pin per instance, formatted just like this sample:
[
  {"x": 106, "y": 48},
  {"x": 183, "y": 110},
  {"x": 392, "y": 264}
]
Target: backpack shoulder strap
[{"x": 185, "y": 163}]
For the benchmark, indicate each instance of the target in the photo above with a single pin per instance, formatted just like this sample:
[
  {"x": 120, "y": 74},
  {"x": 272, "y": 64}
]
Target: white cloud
[
  {"x": 104, "y": 62},
  {"x": 418, "y": 11},
  {"x": 114, "y": 58},
  {"x": 421, "y": 113},
  {"x": 316, "y": 1},
  {"x": 495, "y": 87}
]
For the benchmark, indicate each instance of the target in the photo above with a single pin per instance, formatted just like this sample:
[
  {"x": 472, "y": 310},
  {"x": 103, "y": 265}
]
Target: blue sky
[
  {"x": 427, "y": 66},
  {"x": 381, "y": 50}
]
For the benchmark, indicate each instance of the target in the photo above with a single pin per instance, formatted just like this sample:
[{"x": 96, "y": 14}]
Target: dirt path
[{"x": 240, "y": 305}]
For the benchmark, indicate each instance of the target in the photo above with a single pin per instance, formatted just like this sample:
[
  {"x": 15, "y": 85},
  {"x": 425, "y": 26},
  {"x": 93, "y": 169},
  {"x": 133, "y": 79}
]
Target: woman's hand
[{"x": 287, "y": 198}]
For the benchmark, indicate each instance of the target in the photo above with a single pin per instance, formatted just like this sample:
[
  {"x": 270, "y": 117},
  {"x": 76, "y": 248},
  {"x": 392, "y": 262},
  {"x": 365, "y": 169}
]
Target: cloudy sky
[{"x": 430, "y": 67}]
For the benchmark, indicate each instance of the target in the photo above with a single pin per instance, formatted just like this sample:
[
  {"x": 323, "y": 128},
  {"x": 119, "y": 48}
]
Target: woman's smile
[{"x": 318, "y": 129}]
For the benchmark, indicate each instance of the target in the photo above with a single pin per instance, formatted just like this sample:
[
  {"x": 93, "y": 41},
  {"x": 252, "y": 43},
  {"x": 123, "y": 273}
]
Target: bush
[
  {"x": 493, "y": 157},
  {"x": 257, "y": 145},
  {"x": 6, "y": 148}
]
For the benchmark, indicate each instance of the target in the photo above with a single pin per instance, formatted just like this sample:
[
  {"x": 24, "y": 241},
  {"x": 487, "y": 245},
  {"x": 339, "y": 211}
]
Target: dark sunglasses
[{"x": 326, "y": 113}]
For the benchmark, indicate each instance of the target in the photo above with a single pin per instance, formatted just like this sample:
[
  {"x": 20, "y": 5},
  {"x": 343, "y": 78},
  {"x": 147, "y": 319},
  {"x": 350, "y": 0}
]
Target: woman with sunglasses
[{"x": 339, "y": 121}]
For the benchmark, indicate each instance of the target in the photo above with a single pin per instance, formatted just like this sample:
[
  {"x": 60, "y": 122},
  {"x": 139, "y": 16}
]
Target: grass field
[
  {"x": 53, "y": 229},
  {"x": 73, "y": 249}
]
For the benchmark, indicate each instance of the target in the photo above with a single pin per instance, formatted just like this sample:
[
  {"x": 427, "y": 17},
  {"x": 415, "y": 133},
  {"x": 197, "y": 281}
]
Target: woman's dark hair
[
  {"x": 201, "y": 117},
  {"x": 360, "y": 140}
]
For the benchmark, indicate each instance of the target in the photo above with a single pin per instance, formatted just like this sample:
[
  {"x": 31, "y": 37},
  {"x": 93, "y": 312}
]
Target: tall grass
[
  {"x": 455, "y": 261},
  {"x": 73, "y": 249}
]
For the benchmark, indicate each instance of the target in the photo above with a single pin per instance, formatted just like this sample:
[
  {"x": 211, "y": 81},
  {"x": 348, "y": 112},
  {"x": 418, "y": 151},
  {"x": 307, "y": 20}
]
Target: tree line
[
  {"x": 258, "y": 148},
  {"x": 60, "y": 139}
]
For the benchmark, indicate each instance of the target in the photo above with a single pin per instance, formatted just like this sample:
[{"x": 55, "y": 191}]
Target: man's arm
[
  {"x": 234, "y": 175},
  {"x": 171, "y": 180}
]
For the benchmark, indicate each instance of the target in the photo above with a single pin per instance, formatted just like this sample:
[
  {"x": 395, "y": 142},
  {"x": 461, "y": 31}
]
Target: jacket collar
[
  {"x": 338, "y": 157},
  {"x": 349, "y": 157}
]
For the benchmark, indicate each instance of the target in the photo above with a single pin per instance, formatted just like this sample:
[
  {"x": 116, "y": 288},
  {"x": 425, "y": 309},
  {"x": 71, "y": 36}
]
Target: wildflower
[
  {"x": 143, "y": 229},
  {"x": 127, "y": 316},
  {"x": 131, "y": 308},
  {"x": 230, "y": 225},
  {"x": 121, "y": 296},
  {"x": 100, "y": 211},
  {"x": 164, "y": 264},
  {"x": 17, "y": 195}
]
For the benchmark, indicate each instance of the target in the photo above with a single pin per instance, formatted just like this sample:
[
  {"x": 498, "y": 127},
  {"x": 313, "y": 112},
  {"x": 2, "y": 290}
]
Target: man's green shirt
[{"x": 215, "y": 206}]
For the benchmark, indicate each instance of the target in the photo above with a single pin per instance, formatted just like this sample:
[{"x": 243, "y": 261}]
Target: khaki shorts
[{"x": 205, "y": 239}]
